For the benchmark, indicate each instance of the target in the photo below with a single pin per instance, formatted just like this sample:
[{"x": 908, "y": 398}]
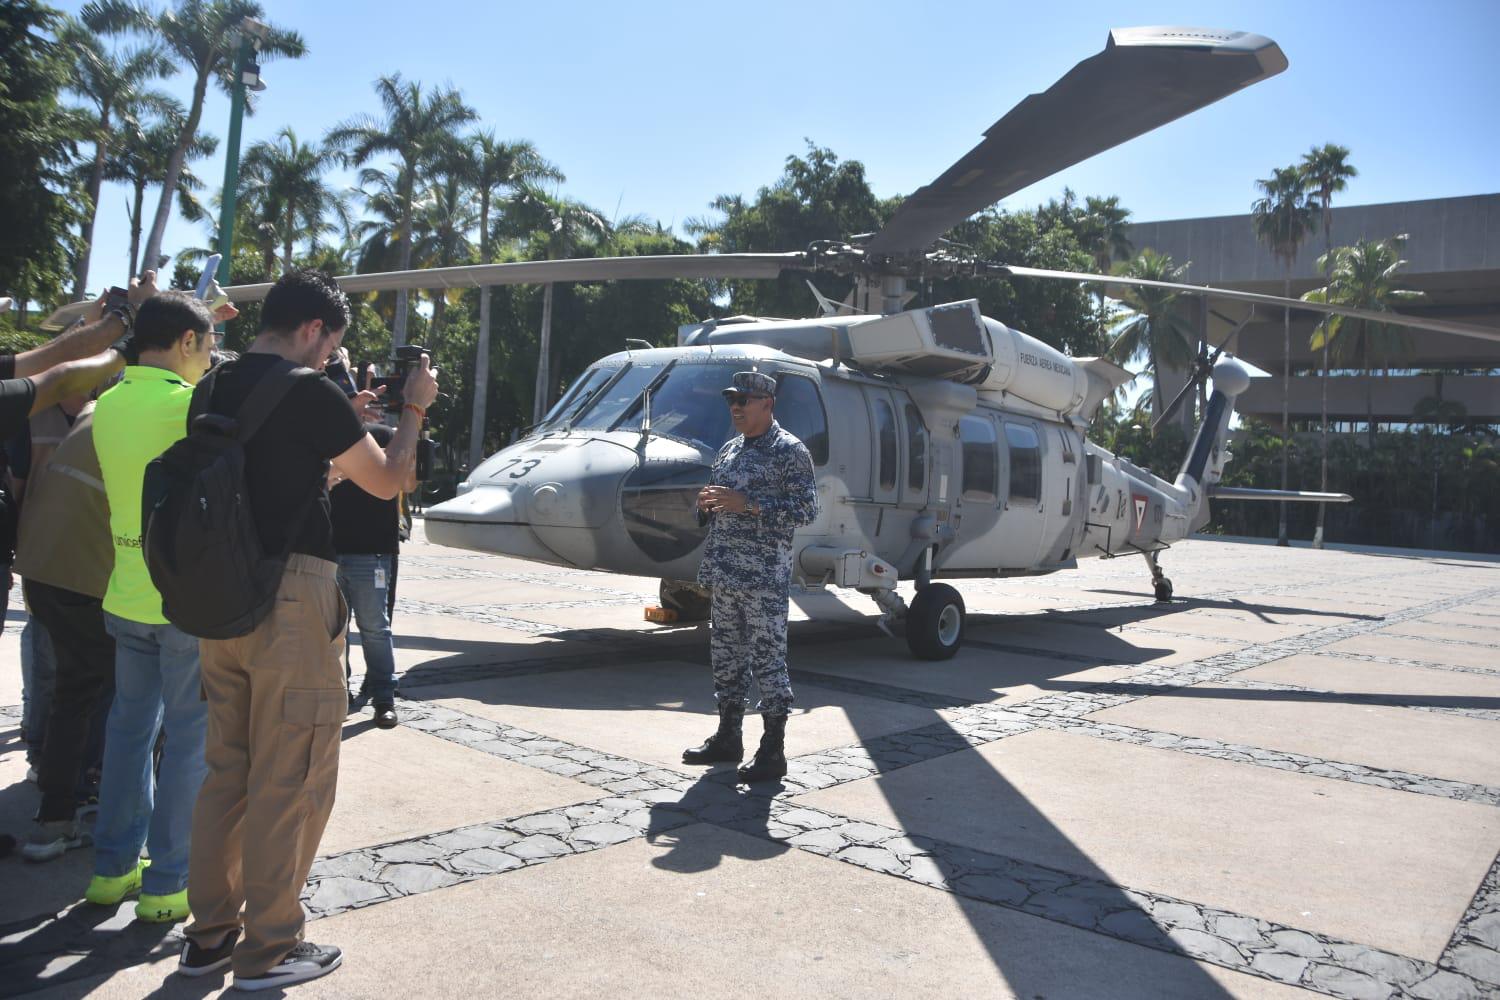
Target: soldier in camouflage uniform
[{"x": 761, "y": 490}]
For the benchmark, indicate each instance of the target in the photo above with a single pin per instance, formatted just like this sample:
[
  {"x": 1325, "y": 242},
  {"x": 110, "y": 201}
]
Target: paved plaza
[{"x": 1284, "y": 783}]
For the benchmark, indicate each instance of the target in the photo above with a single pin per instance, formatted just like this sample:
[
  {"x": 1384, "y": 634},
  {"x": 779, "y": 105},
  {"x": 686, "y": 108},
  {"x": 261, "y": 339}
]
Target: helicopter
[{"x": 946, "y": 445}]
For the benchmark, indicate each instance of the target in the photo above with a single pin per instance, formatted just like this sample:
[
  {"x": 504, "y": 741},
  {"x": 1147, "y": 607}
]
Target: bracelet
[
  {"x": 413, "y": 407},
  {"x": 125, "y": 312}
]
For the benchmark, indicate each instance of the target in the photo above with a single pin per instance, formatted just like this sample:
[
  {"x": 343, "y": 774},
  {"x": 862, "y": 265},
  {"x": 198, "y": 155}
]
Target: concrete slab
[
  {"x": 1488, "y": 622},
  {"x": 399, "y": 783},
  {"x": 1423, "y": 687},
  {"x": 711, "y": 906},
  {"x": 1385, "y": 868},
  {"x": 651, "y": 711},
  {"x": 976, "y": 674},
  {"x": 1446, "y": 632},
  {"x": 1442, "y": 746},
  {"x": 1393, "y": 645},
  {"x": 498, "y": 592},
  {"x": 1108, "y": 646}
]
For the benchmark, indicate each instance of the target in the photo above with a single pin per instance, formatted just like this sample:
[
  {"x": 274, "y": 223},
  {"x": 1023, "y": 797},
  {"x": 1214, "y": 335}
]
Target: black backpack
[{"x": 199, "y": 538}]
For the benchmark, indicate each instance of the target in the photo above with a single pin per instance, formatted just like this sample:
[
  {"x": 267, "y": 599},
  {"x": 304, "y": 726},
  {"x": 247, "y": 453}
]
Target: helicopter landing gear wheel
[
  {"x": 1159, "y": 581},
  {"x": 935, "y": 622},
  {"x": 689, "y": 600}
]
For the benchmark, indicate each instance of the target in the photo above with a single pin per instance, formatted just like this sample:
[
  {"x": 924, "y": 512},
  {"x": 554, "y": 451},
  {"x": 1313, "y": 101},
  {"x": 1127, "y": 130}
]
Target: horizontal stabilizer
[{"x": 1302, "y": 496}]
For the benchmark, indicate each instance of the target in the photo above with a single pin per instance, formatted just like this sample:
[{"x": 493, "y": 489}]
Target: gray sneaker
[
  {"x": 53, "y": 839},
  {"x": 305, "y": 961}
]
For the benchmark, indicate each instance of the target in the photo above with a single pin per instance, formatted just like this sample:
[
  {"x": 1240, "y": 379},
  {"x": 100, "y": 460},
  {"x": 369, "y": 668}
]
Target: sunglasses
[{"x": 740, "y": 398}]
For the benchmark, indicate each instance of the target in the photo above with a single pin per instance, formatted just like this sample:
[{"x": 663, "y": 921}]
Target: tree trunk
[
  {"x": 86, "y": 227},
  {"x": 439, "y": 317},
  {"x": 543, "y": 376},
  {"x": 398, "y": 328},
  {"x": 287, "y": 239},
  {"x": 1364, "y": 343},
  {"x": 1286, "y": 388},
  {"x": 174, "y": 172},
  {"x": 138, "y": 205},
  {"x": 481, "y": 381}
]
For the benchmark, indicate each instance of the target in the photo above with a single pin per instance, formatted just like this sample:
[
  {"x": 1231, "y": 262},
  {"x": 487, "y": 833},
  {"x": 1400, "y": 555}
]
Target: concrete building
[{"x": 1453, "y": 256}]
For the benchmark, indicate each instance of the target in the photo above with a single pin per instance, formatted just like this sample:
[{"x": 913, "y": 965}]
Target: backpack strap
[{"x": 267, "y": 395}]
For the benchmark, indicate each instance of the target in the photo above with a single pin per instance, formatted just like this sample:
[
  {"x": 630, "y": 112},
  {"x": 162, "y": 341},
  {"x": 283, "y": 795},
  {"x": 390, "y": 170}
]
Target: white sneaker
[
  {"x": 304, "y": 962},
  {"x": 54, "y": 839}
]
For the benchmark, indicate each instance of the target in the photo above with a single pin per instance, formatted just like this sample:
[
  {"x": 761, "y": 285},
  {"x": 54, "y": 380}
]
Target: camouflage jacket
[{"x": 747, "y": 552}]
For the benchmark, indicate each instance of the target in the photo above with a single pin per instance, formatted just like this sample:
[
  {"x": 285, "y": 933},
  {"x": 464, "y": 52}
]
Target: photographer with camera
[
  {"x": 157, "y": 679},
  {"x": 276, "y": 694},
  {"x": 367, "y": 535}
]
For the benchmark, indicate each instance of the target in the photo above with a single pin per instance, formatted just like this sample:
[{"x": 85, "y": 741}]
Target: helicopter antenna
[{"x": 829, "y": 306}]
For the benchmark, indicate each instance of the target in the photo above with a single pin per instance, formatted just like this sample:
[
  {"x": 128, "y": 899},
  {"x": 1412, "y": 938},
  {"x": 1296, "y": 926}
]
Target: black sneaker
[
  {"x": 197, "y": 960},
  {"x": 385, "y": 715},
  {"x": 304, "y": 962}
]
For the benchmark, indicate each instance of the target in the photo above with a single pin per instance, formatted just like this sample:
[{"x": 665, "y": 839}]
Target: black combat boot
[
  {"x": 770, "y": 759},
  {"x": 725, "y": 745}
]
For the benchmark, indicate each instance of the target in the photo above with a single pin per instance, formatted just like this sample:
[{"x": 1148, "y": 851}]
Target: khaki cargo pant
[{"x": 276, "y": 707}]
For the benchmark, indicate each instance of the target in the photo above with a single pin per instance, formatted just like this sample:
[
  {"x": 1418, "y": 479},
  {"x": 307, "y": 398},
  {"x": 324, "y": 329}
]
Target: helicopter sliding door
[{"x": 1023, "y": 517}]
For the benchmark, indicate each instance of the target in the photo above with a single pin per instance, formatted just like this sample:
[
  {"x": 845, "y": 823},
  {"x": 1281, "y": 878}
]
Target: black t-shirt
[
  {"x": 365, "y": 524},
  {"x": 286, "y": 462},
  {"x": 16, "y": 397}
]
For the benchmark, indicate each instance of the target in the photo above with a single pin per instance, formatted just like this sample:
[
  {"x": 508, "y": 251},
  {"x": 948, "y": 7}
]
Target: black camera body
[{"x": 404, "y": 360}]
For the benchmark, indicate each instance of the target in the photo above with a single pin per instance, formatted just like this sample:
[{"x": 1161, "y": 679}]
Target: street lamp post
[{"x": 246, "y": 76}]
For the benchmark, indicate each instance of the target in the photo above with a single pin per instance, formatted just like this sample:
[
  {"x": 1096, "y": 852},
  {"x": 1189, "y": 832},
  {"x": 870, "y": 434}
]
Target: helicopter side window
[
  {"x": 885, "y": 422},
  {"x": 977, "y": 435},
  {"x": 916, "y": 449},
  {"x": 1025, "y": 463},
  {"x": 799, "y": 409}
]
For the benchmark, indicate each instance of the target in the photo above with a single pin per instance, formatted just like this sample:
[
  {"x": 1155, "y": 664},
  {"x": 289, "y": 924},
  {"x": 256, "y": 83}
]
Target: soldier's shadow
[{"x": 687, "y": 826}]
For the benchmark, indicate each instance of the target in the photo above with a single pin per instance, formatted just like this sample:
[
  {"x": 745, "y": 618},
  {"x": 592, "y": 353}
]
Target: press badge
[{"x": 379, "y": 577}]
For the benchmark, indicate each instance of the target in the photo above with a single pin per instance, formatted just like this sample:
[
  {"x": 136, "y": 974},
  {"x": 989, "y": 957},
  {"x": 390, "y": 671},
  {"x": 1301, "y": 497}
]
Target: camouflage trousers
[{"x": 749, "y": 636}]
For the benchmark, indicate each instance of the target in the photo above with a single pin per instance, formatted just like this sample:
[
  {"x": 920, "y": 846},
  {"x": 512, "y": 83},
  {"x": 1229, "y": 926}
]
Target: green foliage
[
  {"x": 38, "y": 141},
  {"x": 817, "y": 197}
]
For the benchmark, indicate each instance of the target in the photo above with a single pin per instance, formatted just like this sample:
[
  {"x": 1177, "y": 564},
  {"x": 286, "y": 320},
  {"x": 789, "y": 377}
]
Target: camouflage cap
[{"x": 751, "y": 384}]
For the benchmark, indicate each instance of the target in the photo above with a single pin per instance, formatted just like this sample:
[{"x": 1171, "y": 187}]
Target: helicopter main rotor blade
[
  {"x": 1374, "y": 316},
  {"x": 1166, "y": 414},
  {"x": 529, "y": 272},
  {"x": 544, "y": 272},
  {"x": 1144, "y": 78}
]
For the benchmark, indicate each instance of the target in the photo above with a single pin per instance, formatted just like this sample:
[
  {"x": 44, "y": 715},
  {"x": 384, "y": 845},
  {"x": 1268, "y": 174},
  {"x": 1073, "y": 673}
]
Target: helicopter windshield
[
  {"x": 605, "y": 408},
  {"x": 688, "y": 404},
  {"x": 579, "y": 393}
]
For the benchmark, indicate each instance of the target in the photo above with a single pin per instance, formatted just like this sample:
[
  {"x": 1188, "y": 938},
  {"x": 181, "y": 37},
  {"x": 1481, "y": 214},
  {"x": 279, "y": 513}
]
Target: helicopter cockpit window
[
  {"x": 1025, "y": 463},
  {"x": 916, "y": 449},
  {"x": 609, "y": 405},
  {"x": 688, "y": 404},
  {"x": 885, "y": 423},
  {"x": 578, "y": 393},
  {"x": 980, "y": 458},
  {"x": 799, "y": 409}
]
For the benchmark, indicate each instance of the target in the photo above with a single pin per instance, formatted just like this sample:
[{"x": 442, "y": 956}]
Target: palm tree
[
  {"x": 553, "y": 228},
  {"x": 1156, "y": 330},
  {"x": 141, "y": 161},
  {"x": 116, "y": 85},
  {"x": 1282, "y": 218},
  {"x": 283, "y": 178},
  {"x": 420, "y": 128},
  {"x": 1327, "y": 171},
  {"x": 203, "y": 35},
  {"x": 1103, "y": 236},
  {"x": 1363, "y": 276},
  {"x": 446, "y": 216},
  {"x": 488, "y": 165}
]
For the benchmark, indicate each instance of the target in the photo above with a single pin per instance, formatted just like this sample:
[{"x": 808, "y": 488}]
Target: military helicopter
[{"x": 946, "y": 444}]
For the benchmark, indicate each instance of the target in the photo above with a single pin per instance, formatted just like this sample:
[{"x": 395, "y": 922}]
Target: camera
[
  {"x": 403, "y": 361},
  {"x": 115, "y": 298}
]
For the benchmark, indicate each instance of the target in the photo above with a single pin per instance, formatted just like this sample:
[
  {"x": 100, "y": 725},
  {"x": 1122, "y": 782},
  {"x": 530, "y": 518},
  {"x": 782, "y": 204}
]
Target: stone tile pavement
[{"x": 1104, "y": 797}]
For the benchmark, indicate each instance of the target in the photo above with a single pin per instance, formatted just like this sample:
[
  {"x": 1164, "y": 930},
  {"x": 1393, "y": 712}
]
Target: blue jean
[
  {"x": 38, "y": 681},
  {"x": 364, "y": 579},
  {"x": 158, "y": 683}
]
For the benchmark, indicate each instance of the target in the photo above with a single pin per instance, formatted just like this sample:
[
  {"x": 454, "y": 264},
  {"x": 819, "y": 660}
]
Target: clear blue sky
[{"x": 654, "y": 108}]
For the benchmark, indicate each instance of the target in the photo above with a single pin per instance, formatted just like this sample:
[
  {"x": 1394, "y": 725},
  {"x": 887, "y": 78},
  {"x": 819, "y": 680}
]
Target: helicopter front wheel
[
  {"x": 1163, "y": 589},
  {"x": 935, "y": 622},
  {"x": 690, "y": 601}
]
